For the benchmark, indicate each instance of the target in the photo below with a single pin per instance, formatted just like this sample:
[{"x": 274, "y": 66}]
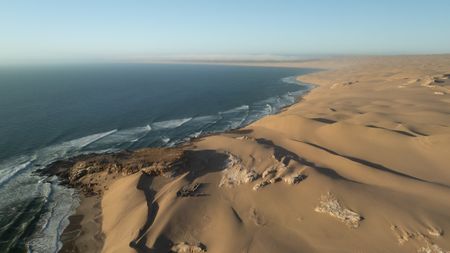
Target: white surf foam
[
  {"x": 232, "y": 118},
  {"x": 290, "y": 79},
  {"x": 69, "y": 148},
  {"x": 60, "y": 203},
  {"x": 84, "y": 141},
  {"x": 196, "y": 134},
  {"x": 42, "y": 157},
  {"x": 236, "y": 109},
  {"x": 59, "y": 200},
  {"x": 165, "y": 139},
  {"x": 236, "y": 123},
  {"x": 268, "y": 109},
  {"x": 11, "y": 169},
  {"x": 207, "y": 119},
  {"x": 174, "y": 123},
  {"x": 119, "y": 137},
  {"x": 201, "y": 123}
]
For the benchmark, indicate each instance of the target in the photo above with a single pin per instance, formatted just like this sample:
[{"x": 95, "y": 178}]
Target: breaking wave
[
  {"x": 174, "y": 123},
  {"x": 6, "y": 175}
]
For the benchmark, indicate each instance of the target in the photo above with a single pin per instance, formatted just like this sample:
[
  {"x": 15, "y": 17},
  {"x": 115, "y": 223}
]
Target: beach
[{"x": 359, "y": 164}]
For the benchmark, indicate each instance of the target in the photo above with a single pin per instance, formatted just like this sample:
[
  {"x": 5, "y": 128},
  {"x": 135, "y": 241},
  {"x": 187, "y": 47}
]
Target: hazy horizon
[{"x": 207, "y": 30}]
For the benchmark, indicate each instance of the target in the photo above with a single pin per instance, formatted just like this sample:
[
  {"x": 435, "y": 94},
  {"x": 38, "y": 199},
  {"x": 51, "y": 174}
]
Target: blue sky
[{"x": 122, "y": 29}]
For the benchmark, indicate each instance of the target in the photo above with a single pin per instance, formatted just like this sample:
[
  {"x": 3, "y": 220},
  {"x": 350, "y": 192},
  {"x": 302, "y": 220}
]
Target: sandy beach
[{"x": 359, "y": 164}]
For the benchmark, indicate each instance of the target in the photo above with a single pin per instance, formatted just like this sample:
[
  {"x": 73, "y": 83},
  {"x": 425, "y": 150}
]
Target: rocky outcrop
[
  {"x": 236, "y": 173},
  {"x": 183, "y": 247},
  {"x": 190, "y": 190},
  {"x": 279, "y": 172},
  {"x": 431, "y": 248},
  {"x": 330, "y": 205},
  {"x": 404, "y": 235},
  {"x": 79, "y": 171}
]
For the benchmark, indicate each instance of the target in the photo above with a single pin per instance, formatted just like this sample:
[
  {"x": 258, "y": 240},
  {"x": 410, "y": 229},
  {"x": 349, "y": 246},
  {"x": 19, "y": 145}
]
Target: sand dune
[{"x": 360, "y": 164}]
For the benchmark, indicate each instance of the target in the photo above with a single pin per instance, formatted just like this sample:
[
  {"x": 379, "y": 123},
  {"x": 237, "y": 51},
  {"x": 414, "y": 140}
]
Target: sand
[
  {"x": 360, "y": 164},
  {"x": 84, "y": 233}
]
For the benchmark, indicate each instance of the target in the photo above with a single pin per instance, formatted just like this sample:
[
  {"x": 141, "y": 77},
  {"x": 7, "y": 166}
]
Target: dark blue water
[{"x": 54, "y": 112}]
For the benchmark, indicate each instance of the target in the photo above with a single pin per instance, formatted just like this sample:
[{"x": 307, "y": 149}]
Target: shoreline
[
  {"x": 84, "y": 234},
  {"x": 71, "y": 143},
  {"x": 77, "y": 238},
  {"x": 315, "y": 146}
]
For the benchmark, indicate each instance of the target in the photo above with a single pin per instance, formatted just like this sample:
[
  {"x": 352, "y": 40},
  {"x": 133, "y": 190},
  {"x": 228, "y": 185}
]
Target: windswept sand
[{"x": 360, "y": 164}]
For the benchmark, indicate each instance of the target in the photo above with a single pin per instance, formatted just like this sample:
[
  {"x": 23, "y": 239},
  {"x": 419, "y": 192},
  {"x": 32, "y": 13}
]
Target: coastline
[
  {"x": 84, "y": 232},
  {"x": 135, "y": 129},
  {"x": 331, "y": 160}
]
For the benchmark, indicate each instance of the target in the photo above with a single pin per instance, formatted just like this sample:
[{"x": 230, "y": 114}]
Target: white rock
[
  {"x": 260, "y": 185},
  {"x": 330, "y": 205},
  {"x": 269, "y": 173},
  {"x": 435, "y": 232},
  {"x": 183, "y": 247},
  {"x": 236, "y": 173},
  {"x": 432, "y": 248},
  {"x": 294, "y": 178}
]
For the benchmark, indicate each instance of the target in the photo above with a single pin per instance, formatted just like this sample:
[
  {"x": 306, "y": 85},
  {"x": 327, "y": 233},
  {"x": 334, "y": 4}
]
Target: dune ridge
[{"x": 361, "y": 163}]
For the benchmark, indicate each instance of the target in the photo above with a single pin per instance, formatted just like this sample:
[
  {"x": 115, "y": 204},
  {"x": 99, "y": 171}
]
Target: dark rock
[
  {"x": 75, "y": 171},
  {"x": 189, "y": 190}
]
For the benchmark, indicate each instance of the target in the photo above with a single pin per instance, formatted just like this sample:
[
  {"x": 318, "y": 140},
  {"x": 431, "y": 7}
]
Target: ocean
[{"x": 54, "y": 112}]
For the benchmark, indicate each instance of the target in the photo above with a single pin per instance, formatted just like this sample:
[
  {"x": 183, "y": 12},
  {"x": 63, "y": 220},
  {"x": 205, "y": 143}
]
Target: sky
[{"x": 133, "y": 29}]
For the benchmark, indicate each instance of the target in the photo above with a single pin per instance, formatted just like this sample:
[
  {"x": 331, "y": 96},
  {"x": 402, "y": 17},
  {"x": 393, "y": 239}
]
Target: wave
[
  {"x": 228, "y": 119},
  {"x": 291, "y": 80},
  {"x": 236, "y": 123},
  {"x": 121, "y": 137},
  {"x": 60, "y": 205},
  {"x": 206, "y": 119},
  {"x": 199, "y": 123},
  {"x": 196, "y": 134},
  {"x": 165, "y": 139},
  {"x": 84, "y": 141},
  {"x": 269, "y": 109},
  {"x": 236, "y": 109},
  {"x": 32, "y": 205},
  {"x": 7, "y": 174},
  {"x": 174, "y": 123},
  {"x": 69, "y": 148},
  {"x": 47, "y": 204}
]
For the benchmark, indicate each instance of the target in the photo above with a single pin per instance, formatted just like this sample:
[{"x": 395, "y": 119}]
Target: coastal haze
[{"x": 219, "y": 127}]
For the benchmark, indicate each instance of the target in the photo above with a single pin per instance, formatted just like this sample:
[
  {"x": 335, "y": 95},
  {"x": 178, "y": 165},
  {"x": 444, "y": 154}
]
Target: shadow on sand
[{"x": 198, "y": 163}]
